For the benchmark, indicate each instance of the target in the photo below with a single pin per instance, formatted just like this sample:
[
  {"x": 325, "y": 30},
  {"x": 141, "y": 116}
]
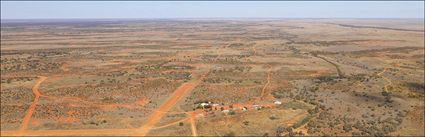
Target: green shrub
[{"x": 302, "y": 122}]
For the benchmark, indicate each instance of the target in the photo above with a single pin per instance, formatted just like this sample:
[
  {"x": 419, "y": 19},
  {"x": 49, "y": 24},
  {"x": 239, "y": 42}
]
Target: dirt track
[
  {"x": 386, "y": 79},
  {"x": 142, "y": 131},
  {"x": 159, "y": 113},
  {"x": 338, "y": 70},
  {"x": 172, "y": 123},
  {"x": 192, "y": 124},
  {"x": 31, "y": 109},
  {"x": 269, "y": 77},
  {"x": 149, "y": 124}
]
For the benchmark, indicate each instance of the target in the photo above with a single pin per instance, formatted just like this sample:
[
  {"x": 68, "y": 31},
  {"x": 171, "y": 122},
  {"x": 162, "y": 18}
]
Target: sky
[{"x": 210, "y": 9}]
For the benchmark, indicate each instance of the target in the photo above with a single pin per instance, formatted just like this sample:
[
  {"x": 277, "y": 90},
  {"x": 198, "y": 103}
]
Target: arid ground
[{"x": 210, "y": 77}]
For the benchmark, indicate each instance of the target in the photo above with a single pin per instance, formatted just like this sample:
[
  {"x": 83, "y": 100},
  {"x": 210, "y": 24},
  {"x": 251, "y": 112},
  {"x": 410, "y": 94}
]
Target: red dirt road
[
  {"x": 142, "y": 131},
  {"x": 192, "y": 123},
  {"x": 30, "y": 111},
  {"x": 159, "y": 113},
  {"x": 269, "y": 78},
  {"x": 171, "y": 124}
]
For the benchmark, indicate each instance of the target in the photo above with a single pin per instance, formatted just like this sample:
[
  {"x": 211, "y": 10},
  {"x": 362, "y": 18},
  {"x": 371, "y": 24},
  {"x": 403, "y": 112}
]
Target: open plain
[{"x": 210, "y": 77}]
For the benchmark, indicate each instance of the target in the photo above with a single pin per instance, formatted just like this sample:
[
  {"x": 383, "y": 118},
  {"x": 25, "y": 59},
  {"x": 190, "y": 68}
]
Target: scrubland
[{"x": 292, "y": 77}]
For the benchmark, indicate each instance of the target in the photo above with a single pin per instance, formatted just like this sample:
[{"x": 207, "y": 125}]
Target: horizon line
[{"x": 213, "y": 18}]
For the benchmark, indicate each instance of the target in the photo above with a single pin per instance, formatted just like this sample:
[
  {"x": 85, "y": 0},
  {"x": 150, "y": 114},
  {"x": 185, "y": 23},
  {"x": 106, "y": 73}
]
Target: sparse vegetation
[{"x": 213, "y": 78}]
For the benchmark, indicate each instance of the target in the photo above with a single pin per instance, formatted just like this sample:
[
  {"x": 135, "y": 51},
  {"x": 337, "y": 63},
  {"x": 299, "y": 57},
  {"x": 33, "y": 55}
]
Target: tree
[
  {"x": 347, "y": 127},
  {"x": 279, "y": 131},
  {"x": 384, "y": 93}
]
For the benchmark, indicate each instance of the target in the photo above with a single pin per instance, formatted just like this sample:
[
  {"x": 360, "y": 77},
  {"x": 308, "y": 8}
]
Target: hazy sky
[{"x": 218, "y": 9}]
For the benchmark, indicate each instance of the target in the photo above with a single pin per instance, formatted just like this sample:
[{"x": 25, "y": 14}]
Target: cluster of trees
[
  {"x": 282, "y": 131},
  {"x": 221, "y": 80},
  {"x": 359, "y": 77},
  {"x": 30, "y": 65},
  {"x": 51, "y": 53},
  {"x": 16, "y": 94},
  {"x": 113, "y": 74},
  {"x": 178, "y": 76},
  {"x": 160, "y": 66},
  {"x": 10, "y": 80},
  {"x": 233, "y": 69},
  {"x": 294, "y": 50},
  {"x": 322, "y": 118}
]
